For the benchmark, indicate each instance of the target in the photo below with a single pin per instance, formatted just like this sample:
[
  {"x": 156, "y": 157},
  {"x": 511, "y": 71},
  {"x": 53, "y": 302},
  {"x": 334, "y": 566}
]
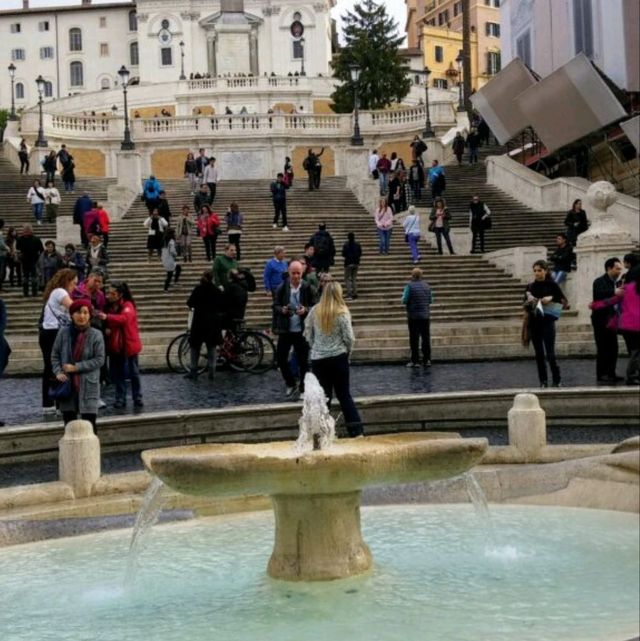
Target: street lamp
[
  {"x": 428, "y": 130},
  {"x": 460, "y": 101},
  {"x": 41, "y": 141},
  {"x": 127, "y": 144},
  {"x": 302, "y": 71},
  {"x": 12, "y": 73},
  {"x": 182, "y": 76},
  {"x": 356, "y": 139}
]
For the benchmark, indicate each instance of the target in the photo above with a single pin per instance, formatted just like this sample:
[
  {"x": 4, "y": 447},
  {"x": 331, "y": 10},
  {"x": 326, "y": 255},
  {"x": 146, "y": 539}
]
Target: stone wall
[
  {"x": 328, "y": 160},
  {"x": 89, "y": 162},
  {"x": 169, "y": 163}
]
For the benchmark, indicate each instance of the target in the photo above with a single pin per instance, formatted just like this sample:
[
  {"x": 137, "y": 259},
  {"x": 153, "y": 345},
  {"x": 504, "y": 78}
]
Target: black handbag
[{"x": 486, "y": 222}]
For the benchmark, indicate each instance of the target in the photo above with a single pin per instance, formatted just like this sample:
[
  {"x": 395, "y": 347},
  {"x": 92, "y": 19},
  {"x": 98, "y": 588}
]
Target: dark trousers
[
  {"x": 420, "y": 330},
  {"x": 46, "y": 338},
  {"x": 50, "y": 176},
  {"x": 606, "y": 349},
  {"x": 212, "y": 192},
  {"x": 83, "y": 236},
  {"x": 280, "y": 208},
  {"x": 632, "y": 341},
  {"x": 543, "y": 338},
  {"x": 333, "y": 375},
  {"x": 440, "y": 232},
  {"x": 316, "y": 177},
  {"x": 3, "y": 269},
  {"x": 24, "y": 163},
  {"x": 105, "y": 238},
  {"x": 29, "y": 277},
  {"x": 15, "y": 272},
  {"x": 234, "y": 239},
  {"x": 301, "y": 349},
  {"x": 478, "y": 234},
  {"x": 67, "y": 417},
  {"x": 311, "y": 179},
  {"x": 210, "y": 246},
  {"x": 173, "y": 274},
  {"x": 123, "y": 367},
  {"x": 473, "y": 155}
]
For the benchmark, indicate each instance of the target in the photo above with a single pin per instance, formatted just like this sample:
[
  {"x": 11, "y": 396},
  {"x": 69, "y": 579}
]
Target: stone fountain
[{"x": 315, "y": 492}]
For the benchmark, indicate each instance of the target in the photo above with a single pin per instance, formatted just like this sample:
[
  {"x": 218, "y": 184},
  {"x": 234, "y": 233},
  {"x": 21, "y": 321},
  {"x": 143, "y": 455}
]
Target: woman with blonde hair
[{"x": 330, "y": 336}]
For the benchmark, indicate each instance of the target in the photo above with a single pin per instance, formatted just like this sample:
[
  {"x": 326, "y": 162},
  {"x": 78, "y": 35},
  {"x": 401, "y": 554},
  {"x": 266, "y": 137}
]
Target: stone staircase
[{"x": 476, "y": 313}]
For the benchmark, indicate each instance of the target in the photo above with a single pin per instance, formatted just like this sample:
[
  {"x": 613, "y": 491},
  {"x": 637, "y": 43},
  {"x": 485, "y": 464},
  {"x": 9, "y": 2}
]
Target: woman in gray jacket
[{"x": 78, "y": 354}]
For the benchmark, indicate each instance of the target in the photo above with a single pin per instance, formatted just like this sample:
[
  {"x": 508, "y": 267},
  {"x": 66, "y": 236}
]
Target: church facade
[{"x": 80, "y": 48}]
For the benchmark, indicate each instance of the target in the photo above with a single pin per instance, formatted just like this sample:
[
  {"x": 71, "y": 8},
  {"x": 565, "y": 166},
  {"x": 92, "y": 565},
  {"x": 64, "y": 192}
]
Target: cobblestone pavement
[{"x": 20, "y": 401}]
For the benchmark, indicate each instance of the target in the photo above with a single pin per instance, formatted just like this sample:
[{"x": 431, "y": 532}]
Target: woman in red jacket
[
  {"x": 208, "y": 228},
  {"x": 123, "y": 343}
]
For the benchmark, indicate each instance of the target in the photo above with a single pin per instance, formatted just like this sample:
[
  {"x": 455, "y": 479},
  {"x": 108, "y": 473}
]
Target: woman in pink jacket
[
  {"x": 383, "y": 216},
  {"x": 629, "y": 327}
]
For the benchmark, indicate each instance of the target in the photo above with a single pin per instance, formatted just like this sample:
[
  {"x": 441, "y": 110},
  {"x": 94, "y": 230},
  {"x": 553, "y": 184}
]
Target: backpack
[
  {"x": 306, "y": 165},
  {"x": 322, "y": 244}
]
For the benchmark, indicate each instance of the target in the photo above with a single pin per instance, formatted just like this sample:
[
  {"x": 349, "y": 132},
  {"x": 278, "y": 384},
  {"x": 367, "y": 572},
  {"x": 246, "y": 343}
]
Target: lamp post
[
  {"x": 12, "y": 74},
  {"x": 127, "y": 144},
  {"x": 41, "y": 141},
  {"x": 356, "y": 139},
  {"x": 302, "y": 71},
  {"x": 428, "y": 130},
  {"x": 182, "y": 76},
  {"x": 460, "y": 101}
]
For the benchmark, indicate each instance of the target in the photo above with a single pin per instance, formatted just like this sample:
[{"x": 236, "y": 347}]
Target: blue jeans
[
  {"x": 413, "y": 246},
  {"x": 121, "y": 367},
  {"x": 37, "y": 210},
  {"x": 383, "y": 179},
  {"x": 559, "y": 276},
  {"x": 68, "y": 186},
  {"x": 385, "y": 237}
]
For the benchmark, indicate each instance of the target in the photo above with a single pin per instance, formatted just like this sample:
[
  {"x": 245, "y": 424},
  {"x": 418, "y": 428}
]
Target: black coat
[
  {"x": 351, "y": 253},
  {"x": 603, "y": 288},
  {"x": 30, "y": 248},
  {"x": 280, "y": 324},
  {"x": 562, "y": 258},
  {"x": 207, "y": 302}
]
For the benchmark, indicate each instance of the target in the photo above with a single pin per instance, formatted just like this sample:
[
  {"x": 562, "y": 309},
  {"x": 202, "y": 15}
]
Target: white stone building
[{"x": 80, "y": 48}]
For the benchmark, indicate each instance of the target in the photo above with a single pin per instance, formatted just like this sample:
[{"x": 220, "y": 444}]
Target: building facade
[
  {"x": 606, "y": 31},
  {"x": 80, "y": 48}
]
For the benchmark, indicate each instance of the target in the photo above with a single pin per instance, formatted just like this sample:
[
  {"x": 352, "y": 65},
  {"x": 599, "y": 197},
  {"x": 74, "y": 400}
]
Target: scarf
[{"x": 78, "y": 340}]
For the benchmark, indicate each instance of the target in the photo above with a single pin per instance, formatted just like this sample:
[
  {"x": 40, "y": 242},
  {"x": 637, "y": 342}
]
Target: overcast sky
[{"x": 396, "y": 8}]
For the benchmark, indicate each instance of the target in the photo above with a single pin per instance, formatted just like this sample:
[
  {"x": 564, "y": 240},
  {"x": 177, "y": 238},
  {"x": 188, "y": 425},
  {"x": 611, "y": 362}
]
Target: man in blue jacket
[
  {"x": 82, "y": 206},
  {"x": 274, "y": 271}
]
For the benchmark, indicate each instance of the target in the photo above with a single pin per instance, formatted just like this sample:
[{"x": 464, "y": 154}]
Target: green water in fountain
[{"x": 551, "y": 574}]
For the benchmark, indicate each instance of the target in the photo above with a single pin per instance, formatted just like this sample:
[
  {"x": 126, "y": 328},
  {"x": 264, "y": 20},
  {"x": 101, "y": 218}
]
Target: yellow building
[{"x": 436, "y": 27}]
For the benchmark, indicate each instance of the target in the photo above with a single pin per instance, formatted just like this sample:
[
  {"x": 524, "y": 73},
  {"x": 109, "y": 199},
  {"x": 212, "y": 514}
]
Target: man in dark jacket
[
  {"x": 417, "y": 298},
  {"x": 279, "y": 198},
  {"x": 324, "y": 249},
  {"x": 29, "y": 248},
  {"x": 82, "y": 206},
  {"x": 291, "y": 305},
  {"x": 351, "y": 252},
  {"x": 163, "y": 207},
  {"x": 562, "y": 259},
  {"x": 604, "y": 289},
  {"x": 201, "y": 198},
  {"x": 479, "y": 215}
]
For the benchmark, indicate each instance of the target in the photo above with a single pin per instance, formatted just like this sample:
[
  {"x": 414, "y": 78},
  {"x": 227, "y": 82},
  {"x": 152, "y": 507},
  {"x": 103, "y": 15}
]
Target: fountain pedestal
[{"x": 318, "y": 537}]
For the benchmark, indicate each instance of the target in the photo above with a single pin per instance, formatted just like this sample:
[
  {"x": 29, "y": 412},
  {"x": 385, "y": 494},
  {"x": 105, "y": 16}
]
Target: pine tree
[{"x": 372, "y": 42}]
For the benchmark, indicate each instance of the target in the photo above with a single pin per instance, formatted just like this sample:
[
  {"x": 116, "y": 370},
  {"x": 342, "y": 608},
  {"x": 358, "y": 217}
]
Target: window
[
  {"x": 493, "y": 62},
  {"x": 48, "y": 89},
  {"x": 19, "y": 91},
  {"x": 492, "y": 3},
  {"x": 46, "y": 53},
  {"x": 103, "y": 22},
  {"x": 43, "y": 26},
  {"x": 439, "y": 54},
  {"x": 104, "y": 49},
  {"x": 166, "y": 56},
  {"x": 443, "y": 17},
  {"x": 523, "y": 48},
  {"x": 18, "y": 54},
  {"x": 298, "y": 51},
  {"x": 105, "y": 84},
  {"x": 76, "y": 74},
  {"x": 134, "y": 57},
  {"x": 75, "y": 39},
  {"x": 15, "y": 27},
  {"x": 492, "y": 29},
  {"x": 457, "y": 8},
  {"x": 583, "y": 27},
  {"x": 440, "y": 83},
  {"x": 133, "y": 21}
]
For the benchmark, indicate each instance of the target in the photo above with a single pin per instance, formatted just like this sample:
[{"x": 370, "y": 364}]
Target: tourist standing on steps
[
  {"x": 23, "y": 154},
  {"x": 562, "y": 259},
  {"x": 80, "y": 209},
  {"x": 352, "y": 253},
  {"x": 207, "y": 303},
  {"x": 274, "y": 270},
  {"x": 13, "y": 263},
  {"x": 440, "y": 224},
  {"x": 151, "y": 193},
  {"x": 185, "y": 228},
  {"x": 384, "y": 169},
  {"x": 629, "y": 324},
  {"x": 201, "y": 199},
  {"x": 383, "y": 216},
  {"x": 437, "y": 180},
  {"x": 123, "y": 343},
  {"x": 222, "y": 265},
  {"x": 191, "y": 172},
  {"x": 416, "y": 179},
  {"x": 473, "y": 142},
  {"x": 479, "y": 221},
  {"x": 5, "y": 349},
  {"x": 68, "y": 175},
  {"x": 52, "y": 202},
  {"x": 279, "y": 199},
  {"x": 418, "y": 147},
  {"x": 288, "y": 172},
  {"x": 603, "y": 320},
  {"x": 458, "y": 147},
  {"x": 104, "y": 223},
  {"x": 210, "y": 178},
  {"x": 78, "y": 353},
  {"x": 292, "y": 302},
  {"x": 201, "y": 162},
  {"x": 36, "y": 197},
  {"x": 49, "y": 262},
  {"x": 97, "y": 256},
  {"x": 169, "y": 259},
  {"x": 55, "y": 315},
  {"x": 156, "y": 227},
  {"x": 209, "y": 229},
  {"x": 544, "y": 302},
  {"x": 329, "y": 334},
  {"x": 74, "y": 260},
  {"x": 417, "y": 298},
  {"x": 29, "y": 247},
  {"x": 576, "y": 222},
  {"x": 163, "y": 207},
  {"x": 373, "y": 164},
  {"x": 4, "y": 255},
  {"x": 324, "y": 249},
  {"x": 234, "y": 219},
  {"x": 411, "y": 226},
  {"x": 63, "y": 156},
  {"x": 50, "y": 165}
]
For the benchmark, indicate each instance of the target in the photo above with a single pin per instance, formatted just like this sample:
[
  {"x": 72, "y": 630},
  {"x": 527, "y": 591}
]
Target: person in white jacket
[
  {"x": 155, "y": 225},
  {"x": 52, "y": 200},
  {"x": 210, "y": 177},
  {"x": 36, "y": 197}
]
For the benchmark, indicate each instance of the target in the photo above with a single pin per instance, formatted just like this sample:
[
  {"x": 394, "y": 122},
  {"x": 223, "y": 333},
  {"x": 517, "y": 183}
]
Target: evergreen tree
[{"x": 372, "y": 42}]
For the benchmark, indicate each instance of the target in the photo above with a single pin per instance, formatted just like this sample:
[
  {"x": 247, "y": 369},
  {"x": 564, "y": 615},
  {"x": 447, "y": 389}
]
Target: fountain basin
[{"x": 316, "y": 495}]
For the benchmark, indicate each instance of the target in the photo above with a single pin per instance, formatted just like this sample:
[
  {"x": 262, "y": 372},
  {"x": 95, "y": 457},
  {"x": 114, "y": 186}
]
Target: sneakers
[
  {"x": 285, "y": 228},
  {"x": 49, "y": 412},
  {"x": 274, "y": 226},
  {"x": 101, "y": 404},
  {"x": 290, "y": 391},
  {"x": 412, "y": 365}
]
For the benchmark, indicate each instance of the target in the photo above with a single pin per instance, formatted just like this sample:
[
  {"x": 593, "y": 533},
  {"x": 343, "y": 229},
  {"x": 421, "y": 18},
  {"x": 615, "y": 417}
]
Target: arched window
[
  {"x": 76, "y": 74},
  {"x": 19, "y": 91},
  {"x": 75, "y": 39},
  {"x": 133, "y": 21},
  {"x": 48, "y": 89},
  {"x": 105, "y": 84},
  {"x": 134, "y": 57}
]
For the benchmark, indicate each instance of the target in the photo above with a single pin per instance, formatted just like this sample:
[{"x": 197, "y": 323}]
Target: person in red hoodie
[
  {"x": 103, "y": 222},
  {"x": 123, "y": 343},
  {"x": 209, "y": 229},
  {"x": 91, "y": 220}
]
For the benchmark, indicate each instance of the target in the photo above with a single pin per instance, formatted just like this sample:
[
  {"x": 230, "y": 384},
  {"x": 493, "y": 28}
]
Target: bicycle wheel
[
  {"x": 248, "y": 352},
  {"x": 184, "y": 355},
  {"x": 173, "y": 356},
  {"x": 268, "y": 360}
]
